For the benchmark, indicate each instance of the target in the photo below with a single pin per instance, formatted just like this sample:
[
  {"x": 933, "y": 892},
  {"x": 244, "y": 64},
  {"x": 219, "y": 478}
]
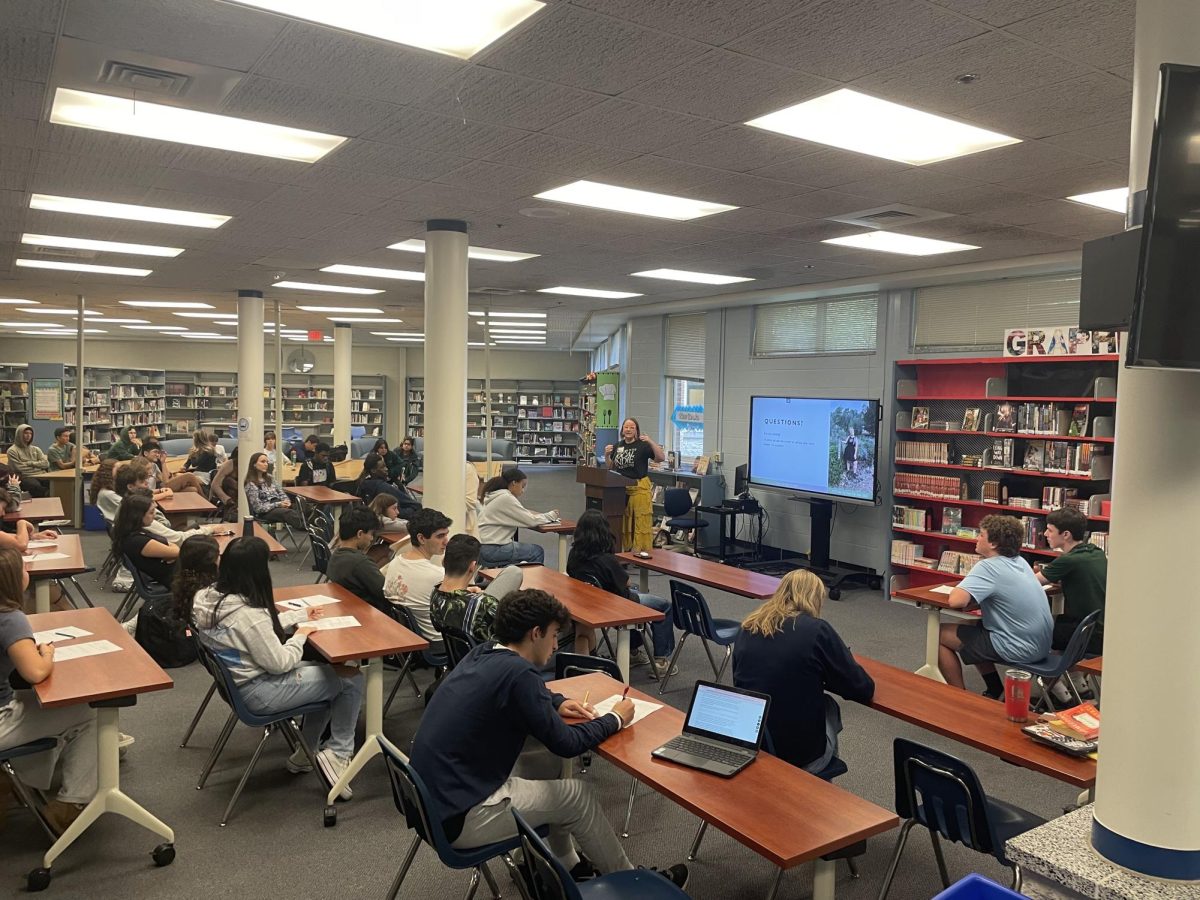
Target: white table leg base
[
  {"x": 563, "y": 551},
  {"x": 623, "y": 651},
  {"x": 933, "y": 639},
  {"x": 41, "y": 594},
  {"x": 824, "y": 879},
  {"x": 373, "y": 720}
]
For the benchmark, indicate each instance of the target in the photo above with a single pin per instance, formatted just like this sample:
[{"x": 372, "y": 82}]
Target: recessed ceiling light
[
  {"x": 629, "y": 200},
  {"x": 326, "y": 288},
  {"x": 50, "y": 240},
  {"x": 52, "y": 311},
  {"x": 161, "y": 215},
  {"x": 518, "y": 332},
  {"x": 517, "y": 341},
  {"x": 399, "y": 334},
  {"x": 418, "y": 246},
  {"x": 506, "y": 323},
  {"x": 13, "y": 301},
  {"x": 373, "y": 272},
  {"x": 31, "y": 324},
  {"x": 366, "y": 321},
  {"x": 167, "y": 304},
  {"x": 155, "y": 327},
  {"x": 1113, "y": 200},
  {"x": 213, "y": 316},
  {"x": 513, "y": 315},
  {"x": 232, "y": 323},
  {"x": 907, "y": 244},
  {"x": 588, "y": 292},
  {"x": 102, "y": 112},
  {"x": 199, "y": 336},
  {"x": 81, "y": 267},
  {"x": 210, "y": 334},
  {"x": 365, "y": 310},
  {"x": 694, "y": 277},
  {"x": 854, "y": 121},
  {"x": 65, "y": 332},
  {"x": 455, "y": 27},
  {"x": 108, "y": 321},
  {"x": 408, "y": 340}
]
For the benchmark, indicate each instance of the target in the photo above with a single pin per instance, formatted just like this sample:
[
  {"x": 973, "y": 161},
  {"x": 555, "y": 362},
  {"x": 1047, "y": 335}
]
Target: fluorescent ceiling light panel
[
  {"x": 399, "y": 334},
  {"x": 513, "y": 332},
  {"x": 31, "y": 324},
  {"x": 158, "y": 214},
  {"x": 630, "y": 200},
  {"x": 416, "y": 245},
  {"x": 367, "y": 321},
  {"x": 589, "y": 292},
  {"x": 209, "y": 337},
  {"x": 693, "y": 277},
  {"x": 81, "y": 267},
  {"x": 213, "y": 316},
  {"x": 366, "y": 310},
  {"x": 373, "y": 272},
  {"x": 102, "y": 112},
  {"x": 408, "y": 340},
  {"x": 155, "y": 327},
  {"x": 906, "y": 244},
  {"x": 51, "y": 240},
  {"x": 514, "y": 315},
  {"x": 13, "y": 301},
  {"x": 65, "y": 332},
  {"x": 1113, "y": 200},
  {"x": 504, "y": 323},
  {"x": 864, "y": 124},
  {"x": 167, "y": 304},
  {"x": 455, "y": 27},
  {"x": 107, "y": 321},
  {"x": 51, "y": 311},
  {"x": 326, "y": 288}
]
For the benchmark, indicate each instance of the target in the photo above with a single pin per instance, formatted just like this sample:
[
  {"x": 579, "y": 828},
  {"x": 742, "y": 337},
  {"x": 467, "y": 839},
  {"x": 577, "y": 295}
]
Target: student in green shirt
[
  {"x": 449, "y": 599},
  {"x": 1082, "y": 573}
]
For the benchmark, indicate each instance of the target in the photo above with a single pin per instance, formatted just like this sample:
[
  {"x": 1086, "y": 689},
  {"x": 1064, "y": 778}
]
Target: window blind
[
  {"x": 974, "y": 316},
  {"x": 685, "y": 347},
  {"x": 832, "y": 325}
]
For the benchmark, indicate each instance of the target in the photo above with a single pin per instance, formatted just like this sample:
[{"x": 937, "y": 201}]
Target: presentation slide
[{"x": 816, "y": 446}]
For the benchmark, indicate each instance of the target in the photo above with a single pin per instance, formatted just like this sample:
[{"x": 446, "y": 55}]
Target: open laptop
[{"x": 722, "y": 732}]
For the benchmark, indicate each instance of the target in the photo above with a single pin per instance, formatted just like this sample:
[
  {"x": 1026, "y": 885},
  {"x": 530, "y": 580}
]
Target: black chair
[
  {"x": 677, "y": 503},
  {"x": 458, "y": 644},
  {"x": 143, "y": 589},
  {"x": 943, "y": 794},
  {"x": 568, "y": 665},
  {"x": 691, "y": 615},
  {"x": 1055, "y": 667},
  {"x": 41, "y": 745},
  {"x": 320, "y": 553},
  {"x": 431, "y": 658},
  {"x": 644, "y": 633}
]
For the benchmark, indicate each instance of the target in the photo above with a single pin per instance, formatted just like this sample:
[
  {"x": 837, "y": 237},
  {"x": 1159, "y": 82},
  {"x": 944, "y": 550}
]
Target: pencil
[
  {"x": 625, "y": 693},
  {"x": 586, "y": 694}
]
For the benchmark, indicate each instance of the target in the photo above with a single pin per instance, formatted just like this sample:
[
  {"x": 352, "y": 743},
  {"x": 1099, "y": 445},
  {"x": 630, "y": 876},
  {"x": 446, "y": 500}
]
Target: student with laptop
[
  {"x": 1016, "y": 624},
  {"x": 491, "y": 739},
  {"x": 786, "y": 650}
]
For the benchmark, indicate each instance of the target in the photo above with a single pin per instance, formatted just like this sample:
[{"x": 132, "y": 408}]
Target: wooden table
[
  {"x": 37, "y": 510},
  {"x": 1093, "y": 666},
  {"x": 107, "y": 681},
  {"x": 324, "y": 496},
  {"x": 742, "y": 582},
  {"x": 62, "y": 485},
  {"x": 43, "y": 571},
  {"x": 564, "y": 529},
  {"x": 275, "y": 548},
  {"x": 377, "y": 635},
  {"x": 345, "y": 470},
  {"x": 591, "y": 606},
  {"x": 181, "y": 506},
  {"x": 777, "y": 810}
]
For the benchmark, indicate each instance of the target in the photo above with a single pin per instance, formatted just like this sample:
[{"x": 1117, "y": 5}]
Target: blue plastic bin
[
  {"x": 93, "y": 520},
  {"x": 976, "y": 887}
]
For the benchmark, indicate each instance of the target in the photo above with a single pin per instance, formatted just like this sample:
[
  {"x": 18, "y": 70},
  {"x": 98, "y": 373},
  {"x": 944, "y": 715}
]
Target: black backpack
[{"x": 163, "y": 635}]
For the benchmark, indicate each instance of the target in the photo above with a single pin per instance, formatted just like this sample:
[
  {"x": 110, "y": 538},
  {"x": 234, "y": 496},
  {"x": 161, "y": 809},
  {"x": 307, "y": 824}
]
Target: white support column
[
  {"x": 250, "y": 384},
  {"x": 77, "y": 489},
  {"x": 277, "y": 405},
  {"x": 1148, "y": 784},
  {"x": 343, "y": 354},
  {"x": 446, "y": 368}
]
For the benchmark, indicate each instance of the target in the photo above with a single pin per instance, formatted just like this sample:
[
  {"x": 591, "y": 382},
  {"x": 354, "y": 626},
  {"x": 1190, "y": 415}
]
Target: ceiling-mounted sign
[{"x": 315, "y": 336}]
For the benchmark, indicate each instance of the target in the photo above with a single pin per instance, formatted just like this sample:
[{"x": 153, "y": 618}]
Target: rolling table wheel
[
  {"x": 163, "y": 855},
  {"x": 835, "y": 593},
  {"x": 37, "y": 880},
  {"x": 330, "y": 818}
]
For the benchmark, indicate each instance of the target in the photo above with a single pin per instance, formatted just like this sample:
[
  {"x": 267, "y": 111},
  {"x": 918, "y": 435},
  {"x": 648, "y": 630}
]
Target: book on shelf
[
  {"x": 993, "y": 492},
  {"x": 1079, "y": 420},
  {"x": 922, "y": 451},
  {"x": 971, "y": 418},
  {"x": 951, "y": 519},
  {"x": 1025, "y": 502},
  {"x": 942, "y": 487},
  {"x": 1100, "y": 539},
  {"x": 1035, "y": 455},
  {"x": 920, "y": 417},
  {"x": 957, "y": 563},
  {"x": 1033, "y": 535},
  {"x": 906, "y": 553},
  {"x": 912, "y": 518},
  {"x": 700, "y": 466},
  {"x": 1054, "y": 497},
  {"x": 1002, "y": 453},
  {"x": 1040, "y": 418}
]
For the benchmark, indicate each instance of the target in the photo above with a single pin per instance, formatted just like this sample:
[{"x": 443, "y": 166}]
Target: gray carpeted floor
[{"x": 275, "y": 844}]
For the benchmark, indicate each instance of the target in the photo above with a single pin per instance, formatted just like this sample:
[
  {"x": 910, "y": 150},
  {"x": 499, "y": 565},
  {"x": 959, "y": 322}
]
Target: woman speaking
[{"x": 631, "y": 457}]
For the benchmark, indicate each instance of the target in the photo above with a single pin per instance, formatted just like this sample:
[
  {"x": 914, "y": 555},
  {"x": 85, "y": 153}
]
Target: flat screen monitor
[
  {"x": 816, "y": 446},
  {"x": 1109, "y": 281},
  {"x": 1165, "y": 330}
]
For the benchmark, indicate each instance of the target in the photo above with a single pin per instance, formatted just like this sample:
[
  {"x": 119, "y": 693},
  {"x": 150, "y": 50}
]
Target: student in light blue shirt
[{"x": 1016, "y": 626}]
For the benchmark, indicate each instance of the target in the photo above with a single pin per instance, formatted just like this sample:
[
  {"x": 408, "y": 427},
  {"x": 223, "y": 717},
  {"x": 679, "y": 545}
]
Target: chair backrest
[
  {"x": 321, "y": 553},
  {"x": 144, "y": 586},
  {"x": 458, "y": 644},
  {"x": 405, "y": 617},
  {"x": 567, "y": 665},
  {"x": 206, "y": 659},
  {"x": 320, "y": 524},
  {"x": 228, "y": 689},
  {"x": 676, "y": 502},
  {"x": 544, "y": 876},
  {"x": 690, "y": 610},
  {"x": 1078, "y": 645},
  {"x": 412, "y": 800},
  {"x": 943, "y": 793},
  {"x": 589, "y": 579}
]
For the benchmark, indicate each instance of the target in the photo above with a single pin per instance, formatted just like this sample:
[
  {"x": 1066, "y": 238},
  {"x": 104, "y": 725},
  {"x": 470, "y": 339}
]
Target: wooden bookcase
[{"x": 14, "y": 400}]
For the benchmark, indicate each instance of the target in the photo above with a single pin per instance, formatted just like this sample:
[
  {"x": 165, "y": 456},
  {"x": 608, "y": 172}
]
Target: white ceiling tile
[
  {"x": 632, "y": 126},
  {"x": 586, "y": 50},
  {"x": 1001, "y": 12},
  {"x": 1098, "y": 32},
  {"x": 88, "y": 143},
  {"x": 18, "y": 132},
  {"x": 507, "y": 181},
  {"x": 709, "y": 22},
  {"x": 15, "y": 159},
  {"x": 557, "y": 154},
  {"x": 237, "y": 165},
  {"x": 440, "y": 201},
  {"x": 173, "y": 199},
  {"x": 966, "y": 201},
  {"x": 829, "y": 168},
  {"x": 286, "y": 221},
  {"x": 737, "y": 189},
  {"x": 1109, "y": 140},
  {"x": 1096, "y": 176},
  {"x": 303, "y": 106},
  {"x": 654, "y": 173},
  {"x": 1012, "y": 162},
  {"x": 21, "y": 99},
  {"x": 214, "y": 185},
  {"x": 907, "y": 187},
  {"x": 487, "y": 95},
  {"x": 410, "y": 127},
  {"x": 25, "y": 55},
  {"x": 1056, "y": 108},
  {"x": 752, "y": 219},
  {"x": 37, "y": 15},
  {"x": 847, "y": 39},
  {"x": 737, "y": 148},
  {"x": 388, "y": 159},
  {"x": 820, "y": 204}
]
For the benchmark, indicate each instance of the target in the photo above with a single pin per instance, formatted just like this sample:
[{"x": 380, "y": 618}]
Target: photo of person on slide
[{"x": 852, "y": 448}]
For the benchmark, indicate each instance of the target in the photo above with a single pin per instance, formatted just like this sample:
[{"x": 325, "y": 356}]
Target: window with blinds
[
  {"x": 685, "y": 347},
  {"x": 974, "y": 316},
  {"x": 830, "y": 325}
]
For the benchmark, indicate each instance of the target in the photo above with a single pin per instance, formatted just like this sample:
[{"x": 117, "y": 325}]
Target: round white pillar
[
  {"x": 250, "y": 385},
  {"x": 343, "y": 352}
]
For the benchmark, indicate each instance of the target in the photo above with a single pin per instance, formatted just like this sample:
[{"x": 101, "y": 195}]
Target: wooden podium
[{"x": 604, "y": 489}]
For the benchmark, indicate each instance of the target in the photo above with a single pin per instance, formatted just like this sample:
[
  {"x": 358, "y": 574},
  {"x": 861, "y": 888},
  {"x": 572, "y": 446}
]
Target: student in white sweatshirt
[{"x": 501, "y": 514}]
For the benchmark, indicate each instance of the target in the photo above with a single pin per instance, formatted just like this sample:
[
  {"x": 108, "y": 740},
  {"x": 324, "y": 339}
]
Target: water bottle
[{"x": 248, "y": 526}]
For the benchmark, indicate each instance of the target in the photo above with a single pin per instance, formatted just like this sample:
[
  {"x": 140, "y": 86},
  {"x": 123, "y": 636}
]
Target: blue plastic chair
[
  {"x": 1050, "y": 670},
  {"x": 545, "y": 878},
  {"x": 7, "y": 755},
  {"x": 143, "y": 589},
  {"x": 691, "y": 615},
  {"x": 431, "y": 657},
  {"x": 677, "y": 503},
  {"x": 943, "y": 794},
  {"x": 412, "y": 800}
]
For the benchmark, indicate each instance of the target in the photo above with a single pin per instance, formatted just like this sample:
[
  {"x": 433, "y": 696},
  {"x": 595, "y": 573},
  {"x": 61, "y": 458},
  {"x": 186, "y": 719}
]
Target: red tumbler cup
[{"x": 1016, "y": 695}]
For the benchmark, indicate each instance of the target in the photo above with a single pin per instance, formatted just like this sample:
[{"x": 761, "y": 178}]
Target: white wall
[{"x": 642, "y": 377}]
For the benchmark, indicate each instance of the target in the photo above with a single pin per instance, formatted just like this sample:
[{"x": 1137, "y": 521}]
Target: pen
[{"x": 625, "y": 693}]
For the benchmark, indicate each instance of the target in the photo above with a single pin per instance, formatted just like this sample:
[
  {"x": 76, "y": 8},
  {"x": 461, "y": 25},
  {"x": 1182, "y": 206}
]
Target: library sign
[
  {"x": 685, "y": 417},
  {"x": 1059, "y": 340}
]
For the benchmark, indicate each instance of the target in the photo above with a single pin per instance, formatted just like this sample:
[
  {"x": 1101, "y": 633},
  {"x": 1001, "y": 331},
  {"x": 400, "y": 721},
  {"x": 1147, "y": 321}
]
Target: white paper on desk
[
  {"x": 335, "y": 622},
  {"x": 66, "y": 633},
  {"x": 38, "y": 545},
  {"x": 89, "y": 648},
  {"x": 942, "y": 589},
  {"x": 641, "y": 708},
  {"x": 42, "y": 557},
  {"x": 308, "y": 602}
]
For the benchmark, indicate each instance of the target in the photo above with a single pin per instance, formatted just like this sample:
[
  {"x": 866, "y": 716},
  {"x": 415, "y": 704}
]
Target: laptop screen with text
[{"x": 727, "y": 713}]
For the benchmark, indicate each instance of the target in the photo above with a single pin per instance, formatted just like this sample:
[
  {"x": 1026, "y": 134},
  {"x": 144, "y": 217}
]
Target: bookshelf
[
  {"x": 975, "y": 436},
  {"x": 14, "y": 399},
  {"x": 587, "y": 431}
]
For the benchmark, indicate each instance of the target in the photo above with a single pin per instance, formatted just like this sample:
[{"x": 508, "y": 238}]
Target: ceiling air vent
[
  {"x": 63, "y": 252},
  {"x": 144, "y": 78},
  {"x": 893, "y": 215}
]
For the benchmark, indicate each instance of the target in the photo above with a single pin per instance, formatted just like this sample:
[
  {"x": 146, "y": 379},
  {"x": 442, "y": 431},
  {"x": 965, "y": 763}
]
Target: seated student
[
  {"x": 404, "y": 464},
  {"x": 236, "y": 619},
  {"x": 388, "y": 510},
  {"x": 150, "y": 554},
  {"x": 1016, "y": 624},
  {"x": 223, "y": 486},
  {"x": 30, "y": 462},
  {"x": 102, "y": 493},
  {"x": 592, "y": 557},
  {"x": 349, "y": 565},
  {"x": 126, "y": 446},
  {"x": 787, "y": 651},
  {"x": 269, "y": 443},
  {"x": 373, "y": 481},
  {"x": 62, "y": 453},
  {"x": 267, "y": 500},
  {"x": 1082, "y": 573},
  {"x": 469, "y": 743},
  {"x": 135, "y": 476},
  {"x": 412, "y": 575},
  {"x": 23, "y": 719},
  {"x": 448, "y": 603},
  {"x": 184, "y": 482},
  {"x": 202, "y": 458},
  {"x": 317, "y": 470},
  {"x": 501, "y": 514},
  {"x": 301, "y": 451}
]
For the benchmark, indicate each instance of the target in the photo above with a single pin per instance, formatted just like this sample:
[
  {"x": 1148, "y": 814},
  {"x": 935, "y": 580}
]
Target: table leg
[
  {"x": 824, "y": 879},
  {"x": 109, "y": 798},
  {"x": 563, "y": 550},
  {"x": 933, "y": 638},
  {"x": 373, "y": 725},
  {"x": 644, "y": 582},
  {"x": 41, "y": 594},
  {"x": 623, "y": 651},
  {"x": 774, "y": 890},
  {"x": 337, "y": 517}
]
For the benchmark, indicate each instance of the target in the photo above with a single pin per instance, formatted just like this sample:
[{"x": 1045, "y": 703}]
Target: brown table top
[
  {"x": 273, "y": 545},
  {"x": 37, "y": 509},
  {"x": 319, "y": 493},
  {"x": 777, "y": 810},
  {"x": 52, "y": 568},
  {"x": 103, "y": 677},
  {"x": 971, "y": 719},
  {"x": 391, "y": 537},
  {"x": 184, "y": 503},
  {"x": 376, "y": 634},
  {"x": 62, "y": 474},
  {"x": 565, "y": 526},
  {"x": 1091, "y": 666},
  {"x": 346, "y": 469},
  {"x": 924, "y": 594},
  {"x": 588, "y": 604},
  {"x": 742, "y": 582}
]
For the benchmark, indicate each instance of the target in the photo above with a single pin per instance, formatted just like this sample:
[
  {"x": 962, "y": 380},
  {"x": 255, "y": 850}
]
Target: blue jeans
[
  {"x": 312, "y": 683},
  {"x": 493, "y": 556},
  {"x": 664, "y": 631}
]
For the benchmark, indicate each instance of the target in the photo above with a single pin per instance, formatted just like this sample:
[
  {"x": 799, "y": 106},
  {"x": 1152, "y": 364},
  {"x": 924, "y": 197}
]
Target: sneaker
[
  {"x": 638, "y": 657},
  {"x": 124, "y": 742},
  {"x": 60, "y": 815},
  {"x": 584, "y": 870},
  {"x": 676, "y": 874},
  {"x": 332, "y": 767},
  {"x": 661, "y": 663},
  {"x": 298, "y": 762}
]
